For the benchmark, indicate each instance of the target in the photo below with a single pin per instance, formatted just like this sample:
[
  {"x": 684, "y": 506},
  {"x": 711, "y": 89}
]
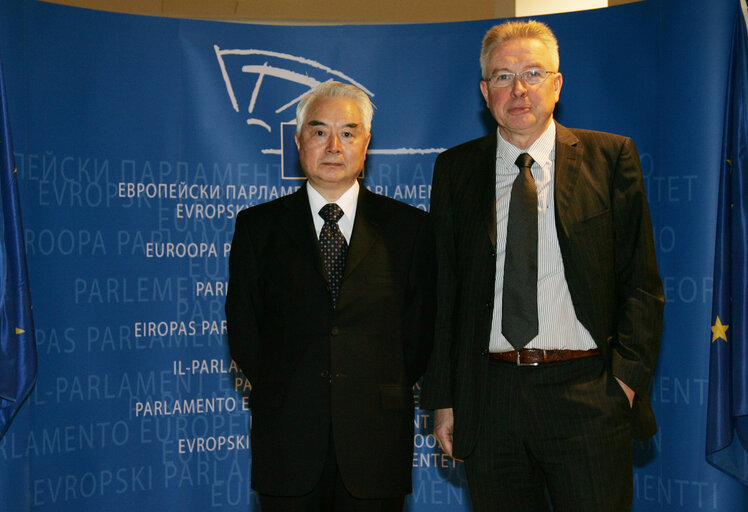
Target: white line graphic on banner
[{"x": 277, "y": 65}]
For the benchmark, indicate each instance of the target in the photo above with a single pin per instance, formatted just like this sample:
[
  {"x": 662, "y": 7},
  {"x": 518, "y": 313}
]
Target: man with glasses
[{"x": 550, "y": 303}]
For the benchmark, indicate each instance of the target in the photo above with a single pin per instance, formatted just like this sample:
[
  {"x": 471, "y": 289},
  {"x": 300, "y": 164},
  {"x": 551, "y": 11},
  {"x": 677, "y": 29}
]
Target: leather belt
[{"x": 536, "y": 356}]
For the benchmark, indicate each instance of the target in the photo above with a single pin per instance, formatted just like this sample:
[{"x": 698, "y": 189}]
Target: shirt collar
[
  {"x": 541, "y": 150},
  {"x": 347, "y": 201}
]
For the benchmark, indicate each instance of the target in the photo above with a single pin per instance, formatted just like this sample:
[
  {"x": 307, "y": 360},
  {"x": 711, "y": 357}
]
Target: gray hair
[
  {"x": 510, "y": 30},
  {"x": 334, "y": 89}
]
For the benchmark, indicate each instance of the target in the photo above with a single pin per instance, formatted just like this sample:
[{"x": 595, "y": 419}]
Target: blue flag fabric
[
  {"x": 17, "y": 341},
  {"x": 727, "y": 415}
]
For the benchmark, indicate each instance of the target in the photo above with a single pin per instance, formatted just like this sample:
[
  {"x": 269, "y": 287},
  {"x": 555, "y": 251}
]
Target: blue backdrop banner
[{"x": 138, "y": 139}]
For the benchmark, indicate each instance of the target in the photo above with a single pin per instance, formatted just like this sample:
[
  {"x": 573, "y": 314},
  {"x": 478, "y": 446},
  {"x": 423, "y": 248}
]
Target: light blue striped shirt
[{"x": 558, "y": 324}]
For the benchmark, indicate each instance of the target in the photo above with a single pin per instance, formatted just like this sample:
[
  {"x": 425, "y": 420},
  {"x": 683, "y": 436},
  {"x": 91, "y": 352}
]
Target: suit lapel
[
  {"x": 568, "y": 160},
  {"x": 297, "y": 222},
  {"x": 485, "y": 176},
  {"x": 364, "y": 231}
]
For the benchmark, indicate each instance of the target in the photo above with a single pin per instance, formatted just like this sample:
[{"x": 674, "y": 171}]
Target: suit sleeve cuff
[{"x": 630, "y": 373}]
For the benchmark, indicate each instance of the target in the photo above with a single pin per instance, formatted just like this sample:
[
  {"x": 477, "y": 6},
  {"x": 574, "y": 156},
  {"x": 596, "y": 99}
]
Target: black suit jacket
[
  {"x": 315, "y": 369},
  {"x": 605, "y": 235}
]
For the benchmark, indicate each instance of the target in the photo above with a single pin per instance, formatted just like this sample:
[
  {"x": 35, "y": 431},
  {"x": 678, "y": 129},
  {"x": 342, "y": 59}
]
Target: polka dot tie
[
  {"x": 519, "y": 310},
  {"x": 334, "y": 248}
]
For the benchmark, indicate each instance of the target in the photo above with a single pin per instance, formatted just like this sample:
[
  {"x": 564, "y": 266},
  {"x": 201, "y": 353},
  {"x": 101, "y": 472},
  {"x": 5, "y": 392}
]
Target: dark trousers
[
  {"x": 329, "y": 495},
  {"x": 558, "y": 432}
]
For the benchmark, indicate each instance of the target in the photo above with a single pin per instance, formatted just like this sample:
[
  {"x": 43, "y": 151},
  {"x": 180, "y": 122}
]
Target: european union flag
[
  {"x": 17, "y": 342},
  {"x": 727, "y": 416}
]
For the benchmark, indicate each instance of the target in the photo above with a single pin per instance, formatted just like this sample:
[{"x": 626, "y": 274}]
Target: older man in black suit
[
  {"x": 330, "y": 317},
  {"x": 549, "y": 299}
]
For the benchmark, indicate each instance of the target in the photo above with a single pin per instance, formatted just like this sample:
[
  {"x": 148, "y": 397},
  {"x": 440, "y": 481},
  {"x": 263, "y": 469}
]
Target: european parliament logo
[{"x": 247, "y": 73}]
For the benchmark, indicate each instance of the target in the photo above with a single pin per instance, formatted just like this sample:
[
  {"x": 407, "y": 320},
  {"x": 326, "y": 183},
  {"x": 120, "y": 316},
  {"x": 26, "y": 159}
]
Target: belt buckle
[{"x": 520, "y": 363}]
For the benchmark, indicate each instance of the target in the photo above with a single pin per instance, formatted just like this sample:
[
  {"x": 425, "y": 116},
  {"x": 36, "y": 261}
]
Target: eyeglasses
[{"x": 531, "y": 76}]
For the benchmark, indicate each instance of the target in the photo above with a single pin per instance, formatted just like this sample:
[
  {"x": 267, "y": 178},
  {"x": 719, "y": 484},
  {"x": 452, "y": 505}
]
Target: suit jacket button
[
  {"x": 489, "y": 304},
  {"x": 484, "y": 352},
  {"x": 334, "y": 331}
]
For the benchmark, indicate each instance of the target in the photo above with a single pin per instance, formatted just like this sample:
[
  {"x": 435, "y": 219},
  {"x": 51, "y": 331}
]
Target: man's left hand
[{"x": 629, "y": 392}]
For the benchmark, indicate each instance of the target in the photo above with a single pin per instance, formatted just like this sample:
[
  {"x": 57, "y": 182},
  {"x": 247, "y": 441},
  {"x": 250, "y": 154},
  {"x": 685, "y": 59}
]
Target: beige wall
[
  {"x": 324, "y": 11},
  {"x": 329, "y": 11}
]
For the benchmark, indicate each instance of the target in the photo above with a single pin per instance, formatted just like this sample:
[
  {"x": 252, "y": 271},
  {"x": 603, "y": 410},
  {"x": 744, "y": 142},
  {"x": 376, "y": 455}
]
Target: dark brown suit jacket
[
  {"x": 605, "y": 235},
  {"x": 316, "y": 370}
]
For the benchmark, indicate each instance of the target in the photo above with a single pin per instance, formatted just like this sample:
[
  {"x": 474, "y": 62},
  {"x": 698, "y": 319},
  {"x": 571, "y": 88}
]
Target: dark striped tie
[{"x": 519, "y": 310}]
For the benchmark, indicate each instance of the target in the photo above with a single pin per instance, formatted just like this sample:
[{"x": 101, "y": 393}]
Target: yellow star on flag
[
  {"x": 19, "y": 331},
  {"x": 719, "y": 330}
]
